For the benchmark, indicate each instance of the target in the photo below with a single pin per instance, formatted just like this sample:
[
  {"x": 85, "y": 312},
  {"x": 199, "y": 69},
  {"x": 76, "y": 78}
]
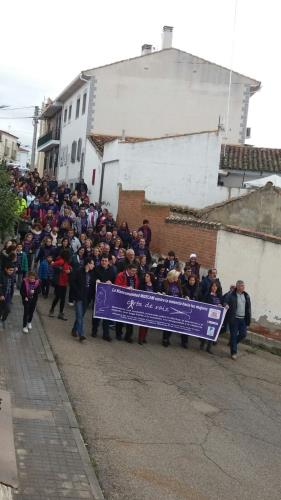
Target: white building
[
  {"x": 23, "y": 156},
  {"x": 179, "y": 170},
  {"x": 8, "y": 146},
  {"x": 154, "y": 95}
]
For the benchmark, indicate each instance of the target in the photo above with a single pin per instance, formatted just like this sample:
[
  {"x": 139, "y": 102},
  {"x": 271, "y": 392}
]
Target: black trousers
[
  {"x": 28, "y": 310},
  {"x": 60, "y": 294},
  {"x": 129, "y": 330},
  {"x": 45, "y": 287},
  {"x": 4, "y": 310},
  {"x": 167, "y": 335},
  {"x": 105, "y": 327}
]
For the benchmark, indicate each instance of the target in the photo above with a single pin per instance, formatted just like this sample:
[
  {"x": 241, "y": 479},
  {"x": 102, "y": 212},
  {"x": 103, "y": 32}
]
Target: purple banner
[{"x": 162, "y": 312}]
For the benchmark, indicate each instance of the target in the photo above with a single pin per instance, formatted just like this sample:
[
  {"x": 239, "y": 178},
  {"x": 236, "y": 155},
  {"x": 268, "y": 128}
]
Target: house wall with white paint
[
  {"x": 73, "y": 128},
  {"x": 257, "y": 263},
  {"x": 176, "y": 171},
  {"x": 92, "y": 174},
  {"x": 169, "y": 92},
  {"x": 23, "y": 157}
]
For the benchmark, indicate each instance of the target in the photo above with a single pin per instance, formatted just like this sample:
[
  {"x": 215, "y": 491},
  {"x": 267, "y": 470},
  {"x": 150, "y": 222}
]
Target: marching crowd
[{"x": 67, "y": 244}]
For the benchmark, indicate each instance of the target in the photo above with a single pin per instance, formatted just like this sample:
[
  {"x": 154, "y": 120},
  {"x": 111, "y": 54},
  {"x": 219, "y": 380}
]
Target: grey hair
[{"x": 240, "y": 282}]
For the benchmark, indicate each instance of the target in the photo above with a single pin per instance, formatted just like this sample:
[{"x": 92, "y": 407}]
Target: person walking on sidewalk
[
  {"x": 238, "y": 316},
  {"x": 62, "y": 270},
  {"x": 83, "y": 288},
  {"x": 104, "y": 273},
  {"x": 30, "y": 290},
  {"x": 6, "y": 290}
]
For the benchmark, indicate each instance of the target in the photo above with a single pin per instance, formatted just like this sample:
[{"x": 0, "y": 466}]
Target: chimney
[
  {"x": 146, "y": 49},
  {"x": 167, "y": 37}
]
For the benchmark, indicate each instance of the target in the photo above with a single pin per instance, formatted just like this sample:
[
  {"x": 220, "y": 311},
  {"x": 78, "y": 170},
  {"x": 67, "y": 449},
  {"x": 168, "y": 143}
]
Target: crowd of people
[{"x": 63, "y": 244}]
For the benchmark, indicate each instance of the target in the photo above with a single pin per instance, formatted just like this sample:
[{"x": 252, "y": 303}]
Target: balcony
[{"x": 48, "y": 141}]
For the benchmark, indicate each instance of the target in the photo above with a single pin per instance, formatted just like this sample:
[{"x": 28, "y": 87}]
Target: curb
[
  {"x": 73, "y": 424},
  {"x": 271, "y": 345}
]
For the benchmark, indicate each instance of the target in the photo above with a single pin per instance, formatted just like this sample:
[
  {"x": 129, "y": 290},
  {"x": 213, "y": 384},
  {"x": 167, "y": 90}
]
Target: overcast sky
[{"x": 49, "y": 43}]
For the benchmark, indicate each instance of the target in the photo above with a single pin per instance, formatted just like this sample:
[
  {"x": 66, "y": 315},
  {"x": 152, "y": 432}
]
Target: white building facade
[
  {"x": 8, "y": 146},
  {"x": 181, "y": 170},
  {"x": 154, "y": 95}
]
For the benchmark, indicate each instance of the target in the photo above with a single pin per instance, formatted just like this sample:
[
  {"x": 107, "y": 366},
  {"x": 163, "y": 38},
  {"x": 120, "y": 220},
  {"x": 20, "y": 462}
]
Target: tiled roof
[
  {"x": 100, "y": 140},
  {"x": 250, "y": 158}
]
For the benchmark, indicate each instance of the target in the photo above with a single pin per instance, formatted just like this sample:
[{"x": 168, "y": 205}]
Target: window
[
  {"x": 69, "y": 112},
  {"x": 84, "y": 104},
  {"x": 65, "y": 115},
  {"x": 77, "y": 108},
  {"x": 73, "y": 151},
  {"x": 79, "y": 147}
]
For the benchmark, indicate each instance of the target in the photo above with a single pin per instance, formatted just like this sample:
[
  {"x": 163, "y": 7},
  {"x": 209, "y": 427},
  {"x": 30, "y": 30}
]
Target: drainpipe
[{"x": 101, "y": 182}]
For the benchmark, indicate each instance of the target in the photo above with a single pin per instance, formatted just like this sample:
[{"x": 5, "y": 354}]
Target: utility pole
[{"x": 35, "y": 123}]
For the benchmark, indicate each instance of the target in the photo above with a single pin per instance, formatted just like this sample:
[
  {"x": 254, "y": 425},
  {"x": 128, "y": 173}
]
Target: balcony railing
[{"x": 52, "y": 135}]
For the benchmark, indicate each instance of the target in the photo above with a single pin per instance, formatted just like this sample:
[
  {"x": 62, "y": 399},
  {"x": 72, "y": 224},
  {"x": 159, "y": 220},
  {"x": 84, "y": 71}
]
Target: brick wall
[{"x": 182, "y": 237}]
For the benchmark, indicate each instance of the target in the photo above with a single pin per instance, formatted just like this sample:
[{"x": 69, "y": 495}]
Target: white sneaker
[
  {"x": 71, "y": 304},
  {"x": 29, "y": 326},
  {"x": 25, "y": 329}
]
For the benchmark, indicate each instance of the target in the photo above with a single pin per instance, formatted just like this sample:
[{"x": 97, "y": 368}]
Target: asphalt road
[{"x": 166, "y": 423}]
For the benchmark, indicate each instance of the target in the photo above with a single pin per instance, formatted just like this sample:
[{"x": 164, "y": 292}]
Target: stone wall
[{"x": 260, "y": 211}]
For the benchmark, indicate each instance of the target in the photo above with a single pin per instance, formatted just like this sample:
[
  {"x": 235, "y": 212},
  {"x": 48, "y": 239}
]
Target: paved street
[{"x": 173, "y": 424}]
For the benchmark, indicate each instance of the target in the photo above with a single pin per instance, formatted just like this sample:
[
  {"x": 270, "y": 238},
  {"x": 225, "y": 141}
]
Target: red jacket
[
  {"x": 63, "y": 276},
  {"x": 121, "y": 280}
]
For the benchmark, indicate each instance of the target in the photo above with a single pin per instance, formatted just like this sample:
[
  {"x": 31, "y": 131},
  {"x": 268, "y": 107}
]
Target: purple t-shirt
[
  {"x": 216, "y": 300},
  {"x": 174, "y": 289}
]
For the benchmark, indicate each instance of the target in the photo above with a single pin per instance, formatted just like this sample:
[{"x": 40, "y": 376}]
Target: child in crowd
[
  {"x": 45, "y": 275},
  {"x": 30, "y": 290},
  {"x": 22, "y": 265}
]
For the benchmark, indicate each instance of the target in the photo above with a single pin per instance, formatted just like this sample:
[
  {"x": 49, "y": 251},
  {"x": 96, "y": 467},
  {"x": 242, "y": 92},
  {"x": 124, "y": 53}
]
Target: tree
[{"x": 8, "y": 205}]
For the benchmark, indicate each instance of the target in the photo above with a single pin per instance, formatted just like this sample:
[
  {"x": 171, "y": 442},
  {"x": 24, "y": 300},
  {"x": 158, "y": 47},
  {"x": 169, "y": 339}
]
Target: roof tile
[{"x": 250, "y": 158}]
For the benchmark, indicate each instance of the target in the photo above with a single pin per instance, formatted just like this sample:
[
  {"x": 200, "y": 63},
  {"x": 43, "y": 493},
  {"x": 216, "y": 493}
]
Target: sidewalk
[{"x": 52, "y": 460}]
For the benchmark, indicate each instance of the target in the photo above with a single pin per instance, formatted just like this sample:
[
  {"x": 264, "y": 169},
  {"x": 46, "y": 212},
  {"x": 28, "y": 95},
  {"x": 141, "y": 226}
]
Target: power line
[
  {"x": 15, "y": 117},
  {"x": 8, "y": 108}
]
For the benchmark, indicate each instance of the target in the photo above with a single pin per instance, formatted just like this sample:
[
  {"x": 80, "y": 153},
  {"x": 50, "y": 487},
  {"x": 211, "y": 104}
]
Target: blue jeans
[
  {"x": 238, "y": 331},
  {"x": 80, "y": 309}
]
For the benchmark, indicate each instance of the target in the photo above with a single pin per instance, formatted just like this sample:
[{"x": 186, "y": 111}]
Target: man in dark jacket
[
  {"x": 6, "y": 290},
  {"x": 82, "y": 294},
  {"x": 238, "y": 316},
  {"x": 103, "y": 274},
  {"x": 145, "y": 229}
]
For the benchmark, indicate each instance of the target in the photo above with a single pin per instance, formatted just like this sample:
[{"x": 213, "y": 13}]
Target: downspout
[{"x": 101, "y": 182}]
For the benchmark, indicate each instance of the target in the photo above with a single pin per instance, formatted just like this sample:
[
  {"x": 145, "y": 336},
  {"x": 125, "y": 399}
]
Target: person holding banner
[
  {"x": 127, "y": 279},
  {"x": 104, "y": 273},
  {"x": 172, "y": 286},
  {"x": 147, "y": 284},
  {"x": 82, "y": 294},
  {"x": 212, "y": 297}
]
